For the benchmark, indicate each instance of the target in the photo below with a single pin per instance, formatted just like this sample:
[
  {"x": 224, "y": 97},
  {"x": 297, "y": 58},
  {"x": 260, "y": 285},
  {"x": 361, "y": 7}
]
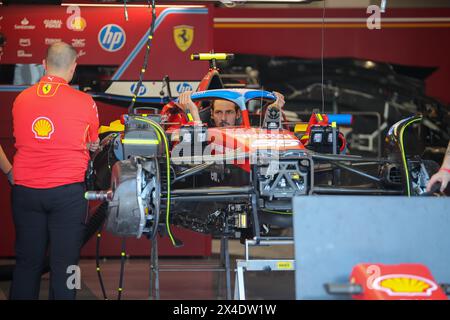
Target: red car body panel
[{"x": 405, "y": 281}]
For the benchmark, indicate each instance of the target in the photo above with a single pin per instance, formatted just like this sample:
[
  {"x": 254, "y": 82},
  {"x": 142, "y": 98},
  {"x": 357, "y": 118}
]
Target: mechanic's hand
[
  {"x": 186, "y": 104},
  {"x": 93, "y": 146},
  {"x": 279, "y": 103},
  {"x": 441, "y": 176},
  {"x": 10, "y": 177}
]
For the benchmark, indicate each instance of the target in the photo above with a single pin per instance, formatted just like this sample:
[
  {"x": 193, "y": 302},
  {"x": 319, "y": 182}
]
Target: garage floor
[{"x": 201, "y": 285}]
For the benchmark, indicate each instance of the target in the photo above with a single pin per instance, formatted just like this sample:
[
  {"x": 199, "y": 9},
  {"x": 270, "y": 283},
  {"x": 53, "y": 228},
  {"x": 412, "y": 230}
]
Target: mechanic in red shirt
[{"x": 55, "y": 126}]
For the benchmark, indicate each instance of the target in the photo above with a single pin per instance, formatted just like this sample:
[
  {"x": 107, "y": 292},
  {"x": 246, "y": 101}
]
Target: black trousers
[{"x": 47, "y": 219}]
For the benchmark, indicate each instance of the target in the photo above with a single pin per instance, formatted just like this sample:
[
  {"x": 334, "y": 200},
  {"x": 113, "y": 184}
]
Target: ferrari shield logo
[
  {"x": 46, "y": 88},
  {"x": 183, "y": 36}
]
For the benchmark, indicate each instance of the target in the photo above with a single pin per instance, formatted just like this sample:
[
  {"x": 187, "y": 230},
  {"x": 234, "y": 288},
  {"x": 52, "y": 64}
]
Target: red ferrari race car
[{"x": 159, "y": 169}]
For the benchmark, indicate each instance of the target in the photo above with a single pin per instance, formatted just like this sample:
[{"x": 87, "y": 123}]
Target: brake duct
[{"x": 134, "y": 198}]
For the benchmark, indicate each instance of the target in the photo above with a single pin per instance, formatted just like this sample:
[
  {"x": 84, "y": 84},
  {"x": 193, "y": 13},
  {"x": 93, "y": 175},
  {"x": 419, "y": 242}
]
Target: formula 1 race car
[{"x": 238, "y": 180}]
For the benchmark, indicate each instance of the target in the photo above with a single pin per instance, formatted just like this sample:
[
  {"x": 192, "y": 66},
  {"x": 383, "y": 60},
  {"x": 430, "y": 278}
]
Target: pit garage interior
[{"x": 323, "y": 199}]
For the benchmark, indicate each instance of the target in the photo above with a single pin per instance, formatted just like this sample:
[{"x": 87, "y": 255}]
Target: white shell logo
[
  {"x": 42, "y": 128},
  {"x": 404, "y": 285}
]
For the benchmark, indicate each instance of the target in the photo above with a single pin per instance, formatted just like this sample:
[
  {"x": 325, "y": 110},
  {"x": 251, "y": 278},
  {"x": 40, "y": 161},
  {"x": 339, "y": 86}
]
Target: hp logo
[
  {"x": 182, "y": 87},
  {"x": 111, "y": 37},
  {"x": 142, "y": 89}
]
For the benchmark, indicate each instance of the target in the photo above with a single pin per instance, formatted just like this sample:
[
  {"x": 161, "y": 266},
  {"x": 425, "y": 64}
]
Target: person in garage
[
  {"x": 443, "y": 175},
  {"x": 6, "y": 166},
  {"x": 224, "y": 113},
  {"x": 55, "y": 127}
]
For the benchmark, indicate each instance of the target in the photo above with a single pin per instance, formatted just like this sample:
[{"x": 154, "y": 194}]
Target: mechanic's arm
[
  {"x": 6, "y": 166},
  {"x": 186, "y": 104},
  {"x": 94, "y": 141},
  {"x": 279, "y": 103},
  {"x": 443, "y": 175}
]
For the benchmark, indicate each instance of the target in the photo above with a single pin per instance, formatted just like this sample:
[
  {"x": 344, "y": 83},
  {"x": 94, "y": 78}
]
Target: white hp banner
[{"x": 151, "y": 89}]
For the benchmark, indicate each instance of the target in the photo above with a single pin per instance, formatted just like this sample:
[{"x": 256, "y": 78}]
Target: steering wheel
[{"x": 240, "y": 97}]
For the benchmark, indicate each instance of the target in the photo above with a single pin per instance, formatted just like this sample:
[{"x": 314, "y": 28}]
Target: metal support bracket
[{"x": 260, "y": 264}]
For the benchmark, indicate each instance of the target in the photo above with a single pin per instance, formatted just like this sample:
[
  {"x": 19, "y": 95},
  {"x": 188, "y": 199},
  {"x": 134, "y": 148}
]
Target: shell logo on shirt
[{"x": 42, "y": 128}]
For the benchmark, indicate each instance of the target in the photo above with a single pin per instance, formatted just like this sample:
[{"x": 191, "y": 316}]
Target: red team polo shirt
[{"x": 52, "y": 124}]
